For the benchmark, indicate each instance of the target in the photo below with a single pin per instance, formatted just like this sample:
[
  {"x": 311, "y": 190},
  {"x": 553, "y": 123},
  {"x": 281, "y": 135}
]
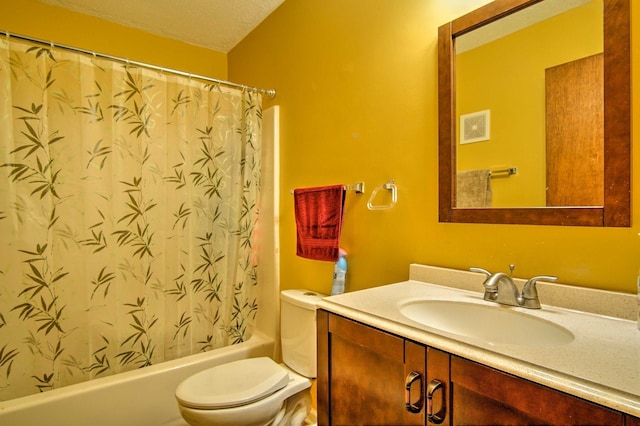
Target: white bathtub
[{"x": 135, "y": 398}]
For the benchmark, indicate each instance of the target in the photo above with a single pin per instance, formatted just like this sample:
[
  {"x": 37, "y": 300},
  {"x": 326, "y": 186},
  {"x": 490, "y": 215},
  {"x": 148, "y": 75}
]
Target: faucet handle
[
  {"x": 529, "y": 297},
  {"x": 533, "y": 280},
  {"x": 483, "y": 271},
  {"x": 490, "y": 291}
]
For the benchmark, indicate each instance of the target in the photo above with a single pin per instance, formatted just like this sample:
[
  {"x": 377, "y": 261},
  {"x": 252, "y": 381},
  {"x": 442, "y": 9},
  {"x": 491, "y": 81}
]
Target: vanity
[{"x": 430, "y": 350}]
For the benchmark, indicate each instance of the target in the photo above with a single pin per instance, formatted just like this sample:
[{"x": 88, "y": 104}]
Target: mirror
[
  {"x": 529, "y": 99},
  {"x": 486, "y": 145}
]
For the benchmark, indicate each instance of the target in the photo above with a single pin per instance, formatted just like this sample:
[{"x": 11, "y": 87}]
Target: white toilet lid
[{"x": 233, "y": 384}]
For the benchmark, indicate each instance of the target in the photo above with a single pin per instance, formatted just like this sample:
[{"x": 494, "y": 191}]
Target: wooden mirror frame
[{"x": 616, "y": 210}]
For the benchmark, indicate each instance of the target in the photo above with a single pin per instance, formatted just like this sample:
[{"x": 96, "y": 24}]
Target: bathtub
[{"x": 134, "y": 398}]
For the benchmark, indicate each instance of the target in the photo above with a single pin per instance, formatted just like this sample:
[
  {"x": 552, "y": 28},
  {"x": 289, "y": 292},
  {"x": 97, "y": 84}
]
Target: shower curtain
[{"x": 128, "y": 201}]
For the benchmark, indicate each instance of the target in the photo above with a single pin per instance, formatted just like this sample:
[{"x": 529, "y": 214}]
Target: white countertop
[{"x": 601, "y": 364}]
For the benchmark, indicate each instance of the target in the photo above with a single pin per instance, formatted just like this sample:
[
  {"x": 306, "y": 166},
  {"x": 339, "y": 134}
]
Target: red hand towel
[{"x": 319, "y": 221}]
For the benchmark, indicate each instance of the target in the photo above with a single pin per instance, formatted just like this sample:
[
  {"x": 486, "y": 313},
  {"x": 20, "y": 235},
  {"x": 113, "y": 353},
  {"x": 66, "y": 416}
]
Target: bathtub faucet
[{"x": 501, "y": 288}]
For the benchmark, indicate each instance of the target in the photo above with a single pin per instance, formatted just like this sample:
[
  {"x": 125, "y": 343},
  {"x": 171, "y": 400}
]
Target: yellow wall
[
  {"x": 518, "y": 108},
  {"x": 357, "y": 87},
  {"x": 51, "y": 23}
]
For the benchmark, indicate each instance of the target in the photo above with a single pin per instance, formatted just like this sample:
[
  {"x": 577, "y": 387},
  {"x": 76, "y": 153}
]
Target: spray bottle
[{"x": 339, "y": 274}]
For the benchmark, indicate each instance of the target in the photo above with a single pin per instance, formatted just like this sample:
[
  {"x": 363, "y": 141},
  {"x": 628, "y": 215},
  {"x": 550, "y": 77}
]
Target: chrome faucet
[{"x": 501, "y": 288}]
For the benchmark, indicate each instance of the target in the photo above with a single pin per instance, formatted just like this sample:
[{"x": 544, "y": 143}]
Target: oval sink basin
[{"x": 491, "y": 324}]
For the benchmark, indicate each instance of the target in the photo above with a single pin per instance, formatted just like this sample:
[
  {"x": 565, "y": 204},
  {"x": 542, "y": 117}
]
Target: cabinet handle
[
  {"x": 408, "y": 382},
  {"x": 438, "y": 417}
]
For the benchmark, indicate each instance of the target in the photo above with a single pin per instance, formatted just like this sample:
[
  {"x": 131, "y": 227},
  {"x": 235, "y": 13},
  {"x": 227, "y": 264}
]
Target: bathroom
[{"x": 357, "y": 90}]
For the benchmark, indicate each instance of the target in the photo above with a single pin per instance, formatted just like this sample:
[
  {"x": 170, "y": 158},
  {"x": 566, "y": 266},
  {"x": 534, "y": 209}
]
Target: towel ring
[{"x": 390, "y": 186}]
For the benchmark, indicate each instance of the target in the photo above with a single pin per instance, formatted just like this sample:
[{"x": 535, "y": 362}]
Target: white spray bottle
[{"x": 339, "y": 274}]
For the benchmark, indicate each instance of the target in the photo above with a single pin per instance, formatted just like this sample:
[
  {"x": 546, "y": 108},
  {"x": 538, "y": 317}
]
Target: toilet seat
[{"x": 232, "y": 385}]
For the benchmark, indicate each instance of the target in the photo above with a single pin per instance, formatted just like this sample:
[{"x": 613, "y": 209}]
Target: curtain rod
[{"x": 271, "y": 93}]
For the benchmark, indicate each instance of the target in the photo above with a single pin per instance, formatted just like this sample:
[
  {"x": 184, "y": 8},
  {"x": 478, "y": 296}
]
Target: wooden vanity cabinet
[{"x": 362, "y": 375}]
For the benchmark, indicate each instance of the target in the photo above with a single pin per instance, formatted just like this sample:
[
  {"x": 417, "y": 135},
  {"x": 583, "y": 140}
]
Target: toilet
[{"x": 259, "y": 391}]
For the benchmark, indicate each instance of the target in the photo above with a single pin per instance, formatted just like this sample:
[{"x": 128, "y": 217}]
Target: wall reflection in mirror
[{"x": 529, "y": 108}]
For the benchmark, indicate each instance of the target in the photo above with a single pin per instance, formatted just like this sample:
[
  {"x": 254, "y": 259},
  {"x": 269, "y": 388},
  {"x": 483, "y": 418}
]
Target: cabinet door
[
  {"x": 362, "y": 375},
  {"x": 483, "y": 396},
  {"x": 631, "y": 421},
  {"x": 438, "y": 391}
]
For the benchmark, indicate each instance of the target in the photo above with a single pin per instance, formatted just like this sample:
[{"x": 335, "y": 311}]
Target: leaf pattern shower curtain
[{"x": 128, "y": 200}]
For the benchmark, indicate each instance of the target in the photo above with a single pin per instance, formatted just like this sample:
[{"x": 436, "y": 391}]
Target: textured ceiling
[
  {"x": 214, "y": 24},
  {"x": 515, "y": 22}
]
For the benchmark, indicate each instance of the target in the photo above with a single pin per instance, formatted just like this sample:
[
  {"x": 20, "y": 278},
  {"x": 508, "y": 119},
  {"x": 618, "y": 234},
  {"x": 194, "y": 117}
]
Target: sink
[{"x": 491, "y": 324}]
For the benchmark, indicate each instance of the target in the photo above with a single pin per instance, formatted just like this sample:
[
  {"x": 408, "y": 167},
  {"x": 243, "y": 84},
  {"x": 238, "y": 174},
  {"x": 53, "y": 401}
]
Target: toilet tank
[{"x": 298, "y": 330}]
